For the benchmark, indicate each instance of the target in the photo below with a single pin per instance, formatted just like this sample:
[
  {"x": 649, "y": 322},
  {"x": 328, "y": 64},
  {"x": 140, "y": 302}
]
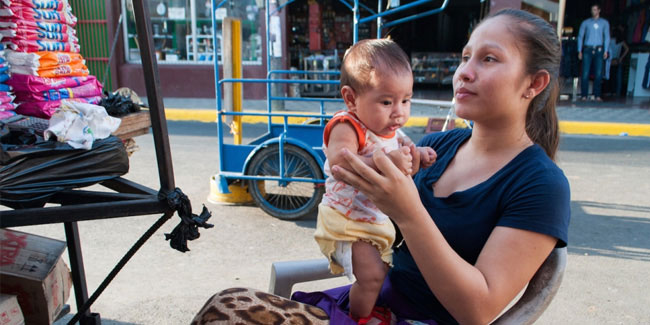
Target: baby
[{"x": 376, "y": 85}]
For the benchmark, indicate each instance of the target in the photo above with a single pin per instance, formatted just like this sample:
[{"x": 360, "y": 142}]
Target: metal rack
[{"x": 129, "y": 198}]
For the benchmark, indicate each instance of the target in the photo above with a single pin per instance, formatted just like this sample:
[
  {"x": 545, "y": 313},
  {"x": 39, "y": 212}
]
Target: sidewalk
[{"x": 623, "y": 117}]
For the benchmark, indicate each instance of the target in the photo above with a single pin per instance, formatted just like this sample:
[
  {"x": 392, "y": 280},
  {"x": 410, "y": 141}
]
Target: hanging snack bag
[
  {"x": 42, "y": 25},
  {"x": 44, "y": 59},
  {"x": 87, "y": 90},
  {"x": 16, "y": 13},
  {"x": 46, "y": 109},
  {"x": 28, "y": 83}
]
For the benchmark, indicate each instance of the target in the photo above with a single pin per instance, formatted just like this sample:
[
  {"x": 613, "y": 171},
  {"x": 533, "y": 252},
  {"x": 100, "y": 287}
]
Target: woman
[
  {"x": 494, "y": 204},
  {"x": 618, "y": 50}
]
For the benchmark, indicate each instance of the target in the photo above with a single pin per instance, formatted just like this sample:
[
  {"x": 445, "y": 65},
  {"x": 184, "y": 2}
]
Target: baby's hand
[
  {"x": 427, "y": 156},
  {"x": 402, "y": 159}
]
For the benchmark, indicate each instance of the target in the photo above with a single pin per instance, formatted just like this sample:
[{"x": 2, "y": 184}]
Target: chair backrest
[
  {"x": 536, "y": 297},
  {"x": 540, "y": 291}
]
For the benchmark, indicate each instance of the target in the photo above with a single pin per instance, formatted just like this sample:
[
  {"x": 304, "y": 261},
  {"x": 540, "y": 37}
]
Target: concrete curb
[{"x": 566, "y": 127}]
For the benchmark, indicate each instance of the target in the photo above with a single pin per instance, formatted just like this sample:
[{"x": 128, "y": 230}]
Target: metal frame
[
  {"x": 129, "y": 198},
  {"x": 225, "y": 174}
]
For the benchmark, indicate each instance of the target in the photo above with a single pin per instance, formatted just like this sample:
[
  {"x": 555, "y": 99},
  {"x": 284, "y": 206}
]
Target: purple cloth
[{"x": 335, "y": 302}]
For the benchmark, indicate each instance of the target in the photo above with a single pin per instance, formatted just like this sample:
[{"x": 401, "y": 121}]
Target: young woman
[
  {"x": 494, "y": 204},
  {"x": 478, "y": 223}
]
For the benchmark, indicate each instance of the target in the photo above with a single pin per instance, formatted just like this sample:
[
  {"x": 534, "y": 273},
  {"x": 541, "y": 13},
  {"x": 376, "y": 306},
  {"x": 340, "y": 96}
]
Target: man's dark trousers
[{"x": 591, "y": 56}]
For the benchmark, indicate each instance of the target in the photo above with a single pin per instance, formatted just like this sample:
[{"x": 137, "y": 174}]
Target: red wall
[
  {"x": 180, "y": 80},
  {"x": 188, "y": 80}
]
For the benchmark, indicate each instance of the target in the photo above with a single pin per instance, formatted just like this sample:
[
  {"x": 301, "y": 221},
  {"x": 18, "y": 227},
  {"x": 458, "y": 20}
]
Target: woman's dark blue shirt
[{"x": 530, "y": 192}]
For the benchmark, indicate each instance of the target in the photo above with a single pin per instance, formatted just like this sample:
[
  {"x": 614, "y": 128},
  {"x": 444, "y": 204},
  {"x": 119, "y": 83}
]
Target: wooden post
[{"x": 231, "y": 54}]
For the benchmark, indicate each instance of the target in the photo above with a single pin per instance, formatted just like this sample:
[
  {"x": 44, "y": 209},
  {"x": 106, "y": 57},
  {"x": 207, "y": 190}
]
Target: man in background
[{"x": 593, "y": 47}]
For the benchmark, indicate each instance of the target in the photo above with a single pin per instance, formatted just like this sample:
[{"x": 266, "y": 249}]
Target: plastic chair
[{"x": 538, "y": 294}]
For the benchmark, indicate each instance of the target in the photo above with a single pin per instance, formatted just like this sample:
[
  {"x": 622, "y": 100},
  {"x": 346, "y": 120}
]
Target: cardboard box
[
  {"x": 10, "y": 313},
  {"x": 32, "y": 269}
]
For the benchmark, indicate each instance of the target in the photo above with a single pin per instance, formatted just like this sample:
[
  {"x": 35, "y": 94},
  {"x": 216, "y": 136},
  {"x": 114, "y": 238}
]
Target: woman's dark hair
[{"x": 542, "y": 51}]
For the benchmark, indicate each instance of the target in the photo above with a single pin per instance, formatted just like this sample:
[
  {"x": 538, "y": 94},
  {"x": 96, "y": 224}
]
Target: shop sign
[{"x": 177, "y": 12}]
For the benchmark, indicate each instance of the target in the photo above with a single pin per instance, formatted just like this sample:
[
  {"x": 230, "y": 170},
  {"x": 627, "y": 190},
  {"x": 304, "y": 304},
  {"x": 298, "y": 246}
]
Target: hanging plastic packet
[
  {"x": 6, "y": 114},
  {"x": 27, "y": 83},
  {"x": 20, "y": 45},
  {"x": 57, "y": 5},
  {"x": 8, "y": 106},
  {"x": 43, "y": 59},
  {"x": 46, "y": 109},
  {"x": 33, "y": 25},
  {"x": 77, "y": 69},
  {"x": 87, "y": 90},
  {"x": 6, "y": 98},
  {"x": 16, "y": 13},
  {"x": 37, "y": 34}
]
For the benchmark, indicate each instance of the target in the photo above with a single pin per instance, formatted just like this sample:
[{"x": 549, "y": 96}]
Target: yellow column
[
  {"x": 237, "y": 74},
  {"x": 232, "y": 69}
]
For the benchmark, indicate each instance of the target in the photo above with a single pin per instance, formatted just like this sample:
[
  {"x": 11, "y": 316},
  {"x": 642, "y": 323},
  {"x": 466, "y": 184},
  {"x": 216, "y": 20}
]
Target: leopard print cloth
[{"x": 250, "y": 306}]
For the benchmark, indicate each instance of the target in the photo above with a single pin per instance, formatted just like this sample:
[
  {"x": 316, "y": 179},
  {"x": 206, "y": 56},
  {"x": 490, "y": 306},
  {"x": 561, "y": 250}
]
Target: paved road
[{"x": 609, "y": 248}]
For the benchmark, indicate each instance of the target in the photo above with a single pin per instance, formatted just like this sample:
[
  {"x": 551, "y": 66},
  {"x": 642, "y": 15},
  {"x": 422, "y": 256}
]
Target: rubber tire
[{"x": 269, "y": 158}]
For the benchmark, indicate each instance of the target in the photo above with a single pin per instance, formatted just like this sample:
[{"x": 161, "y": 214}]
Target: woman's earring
[{"x": 528, "y": 95}]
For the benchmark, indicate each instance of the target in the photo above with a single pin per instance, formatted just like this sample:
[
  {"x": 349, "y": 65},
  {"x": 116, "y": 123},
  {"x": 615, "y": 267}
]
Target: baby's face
[{"x": 386, "y": 105}]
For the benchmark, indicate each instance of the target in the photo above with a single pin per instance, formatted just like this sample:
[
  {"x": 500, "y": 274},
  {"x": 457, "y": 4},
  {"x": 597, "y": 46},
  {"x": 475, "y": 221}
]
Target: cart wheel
[{"x": 292, "y": 200}]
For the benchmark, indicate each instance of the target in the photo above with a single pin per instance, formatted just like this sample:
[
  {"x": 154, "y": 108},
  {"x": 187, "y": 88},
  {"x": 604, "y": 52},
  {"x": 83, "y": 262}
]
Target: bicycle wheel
[{"x": 286, "y": 200}]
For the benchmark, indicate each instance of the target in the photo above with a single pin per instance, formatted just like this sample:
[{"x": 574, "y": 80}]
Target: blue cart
[{"x": 283, "y": 168}]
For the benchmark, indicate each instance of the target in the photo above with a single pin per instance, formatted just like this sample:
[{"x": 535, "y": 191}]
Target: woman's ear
[
  {"x": 349, "y": 97},
  {"x": 538, "y": 83}
]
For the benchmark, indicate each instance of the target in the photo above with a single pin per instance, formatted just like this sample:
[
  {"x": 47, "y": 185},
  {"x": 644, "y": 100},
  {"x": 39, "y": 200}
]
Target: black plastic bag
[
  {"x": 117, "y": 105},
  {"x": 32, "y": 169}
]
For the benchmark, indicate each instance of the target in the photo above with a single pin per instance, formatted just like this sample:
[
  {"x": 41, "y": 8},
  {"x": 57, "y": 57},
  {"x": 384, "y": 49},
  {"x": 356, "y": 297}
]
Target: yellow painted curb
[
  {"x": 567, "y": 127},
  {"x": 605, "y": 128},
  {"x": 201, "y": 115}
]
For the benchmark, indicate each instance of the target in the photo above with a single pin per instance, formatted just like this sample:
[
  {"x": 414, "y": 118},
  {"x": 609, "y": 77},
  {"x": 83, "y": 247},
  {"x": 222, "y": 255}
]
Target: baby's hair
[{"x": 370, "y": 55}]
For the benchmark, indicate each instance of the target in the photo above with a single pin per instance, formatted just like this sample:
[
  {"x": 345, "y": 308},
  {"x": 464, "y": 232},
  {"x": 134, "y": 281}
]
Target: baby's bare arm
[{"x": 343, "y": 136}]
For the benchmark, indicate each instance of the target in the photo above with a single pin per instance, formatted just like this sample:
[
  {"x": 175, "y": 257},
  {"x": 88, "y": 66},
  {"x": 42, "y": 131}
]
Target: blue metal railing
[{"x": 355, "y": 7}]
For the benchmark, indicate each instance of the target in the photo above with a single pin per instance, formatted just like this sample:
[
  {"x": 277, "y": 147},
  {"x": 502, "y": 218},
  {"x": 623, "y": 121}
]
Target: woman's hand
[
  {"x": 402, "y": 159},
  {"x": 389, "y": 189}
]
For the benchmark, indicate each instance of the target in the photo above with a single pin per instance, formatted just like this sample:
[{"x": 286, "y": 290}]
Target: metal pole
[
  {"x": 275, "y": 61},
  {"x": 217, "y": 87},
  {"x": 379, "y": 23},
  {"x": 355, "y": 19},
  {"x": 560, "y": 17},
  {"x": 156, "y": 107},
  {"x": 195, "y": 45},
  {"x": 268, "y": 59},
  {"x": 77, "y": 270}
]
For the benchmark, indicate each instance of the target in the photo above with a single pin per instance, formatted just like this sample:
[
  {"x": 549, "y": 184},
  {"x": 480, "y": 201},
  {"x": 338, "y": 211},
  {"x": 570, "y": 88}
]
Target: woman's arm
[
  {"x": 471, "y": 293},
  {"x": 626, "y": 49}
]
